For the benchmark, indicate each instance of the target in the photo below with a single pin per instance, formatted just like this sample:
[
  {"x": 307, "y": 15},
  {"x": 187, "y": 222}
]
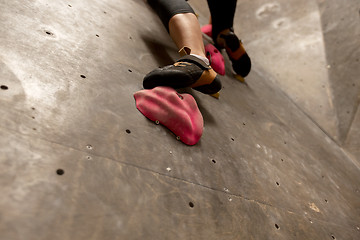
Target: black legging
[{"x": 222, "y": 12}]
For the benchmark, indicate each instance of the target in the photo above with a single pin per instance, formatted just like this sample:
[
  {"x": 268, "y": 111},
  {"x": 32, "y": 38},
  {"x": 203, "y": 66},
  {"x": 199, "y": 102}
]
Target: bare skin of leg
[{"x": 185, "y": 30}]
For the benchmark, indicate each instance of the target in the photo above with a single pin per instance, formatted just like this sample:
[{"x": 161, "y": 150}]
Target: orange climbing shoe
[
  {"x": 188, "y": 71},
  {"x": 241, "y": 62}
]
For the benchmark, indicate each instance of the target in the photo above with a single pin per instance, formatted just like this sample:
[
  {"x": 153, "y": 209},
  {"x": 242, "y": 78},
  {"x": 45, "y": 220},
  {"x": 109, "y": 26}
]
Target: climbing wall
[{"x": 79, "y": 161}]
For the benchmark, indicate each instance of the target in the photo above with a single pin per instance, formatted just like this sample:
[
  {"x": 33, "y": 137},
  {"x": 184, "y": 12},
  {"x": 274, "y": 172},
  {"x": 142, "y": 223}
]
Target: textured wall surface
[{"x": 79, "y": 161}]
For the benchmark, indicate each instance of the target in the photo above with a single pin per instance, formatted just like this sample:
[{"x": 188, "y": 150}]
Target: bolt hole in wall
[
  {"x": 214, "y": 161},
  {"x": 49, "y": 33},
  {"x": 277, "y": 226},
  {"x": 191, "y": 204},
  {"x": 60, "y": 172},
  {"x": 333, "y": 237},
  {"x": 128, "y": 131},
  {"x": 83, "y": 76},
  {"x": 4, "y": 87}
]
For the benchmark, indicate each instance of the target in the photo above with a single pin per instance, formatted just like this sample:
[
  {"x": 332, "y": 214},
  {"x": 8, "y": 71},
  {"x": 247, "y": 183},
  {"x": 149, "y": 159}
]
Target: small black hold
[
  {"x": 191, "y": 204},
  {"x": 4, "y": 87},
  {"x": 60, "y": 172},
  {"x": 105, "y": 12},
  {"x": 128, "y": 131},
  {"x": 326, "y": 200},
  {"x": 130, "y": 38},
  {"x": 129, "y": 70},
  {"x": 69, "y": 5},
  {"x": 33, "y": 108},
  {"x": 232, "y": 139},
  {"x": 49, "y": 33},
  {"x": 83, "y": 76},
  {"x": 34, "y": 129},
  {"x": 277, "y": 226},
  {"x": 277, "y": 183},
  {"x": 33, "y": 117},
  {"x": 97, "y": 35},
  {"x": 244, "y": 124},
  {"x": 333, "y": 237},
  {"x": 282, "y": 160},
  {"x": 214, "y": 161}
]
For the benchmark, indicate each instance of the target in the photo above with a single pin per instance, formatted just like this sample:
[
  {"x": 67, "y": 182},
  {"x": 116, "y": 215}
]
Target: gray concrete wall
[{"x": 79, "y": 161}]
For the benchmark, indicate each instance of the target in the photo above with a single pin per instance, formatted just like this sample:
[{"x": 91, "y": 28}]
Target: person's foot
[
  {"x": 188, "y": 71},
  {"x": 241, "y": 62}
]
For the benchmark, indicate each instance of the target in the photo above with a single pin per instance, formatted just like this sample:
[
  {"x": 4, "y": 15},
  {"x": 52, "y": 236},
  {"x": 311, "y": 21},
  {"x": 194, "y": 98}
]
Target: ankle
[
  {"x": 220, "y": 40},
  {"x": 200, "y": 54},
  {"x": 202, "y": 58}
]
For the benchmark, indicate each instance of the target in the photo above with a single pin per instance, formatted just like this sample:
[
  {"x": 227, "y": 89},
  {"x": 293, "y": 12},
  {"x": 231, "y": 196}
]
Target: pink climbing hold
[
  {"x": 177, "y": 112},
  {"x": 207, "y": 29},
  {"x": 216, "y": 59}
]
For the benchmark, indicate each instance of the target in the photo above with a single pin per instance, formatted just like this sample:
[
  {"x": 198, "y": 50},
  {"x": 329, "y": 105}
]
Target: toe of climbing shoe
[
  {"x": 234, "y": 48},
  {"x": 242, "y": 66}
]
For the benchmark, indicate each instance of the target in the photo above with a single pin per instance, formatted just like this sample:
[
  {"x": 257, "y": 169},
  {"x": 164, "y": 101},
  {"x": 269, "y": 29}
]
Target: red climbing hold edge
[
  {"x": 178, "y": 112},
  {"x": 216, "y": 59}
]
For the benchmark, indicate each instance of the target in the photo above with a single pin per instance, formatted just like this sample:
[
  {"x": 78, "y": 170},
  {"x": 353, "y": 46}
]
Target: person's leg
[
  {"x": 192, "y": 70},
  {"x": 180, "y": 21},
  {"x": 222, "y": 16},
  {"x": 185, "y": 30}
]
